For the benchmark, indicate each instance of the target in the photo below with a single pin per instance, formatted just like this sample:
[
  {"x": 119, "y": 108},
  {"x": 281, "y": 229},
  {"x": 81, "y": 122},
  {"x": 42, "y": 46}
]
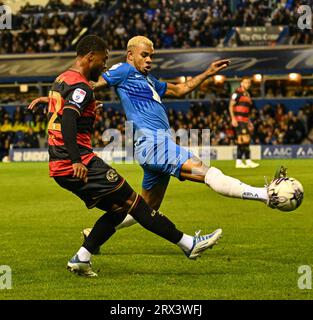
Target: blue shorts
[{"x": 160, "y": 158}]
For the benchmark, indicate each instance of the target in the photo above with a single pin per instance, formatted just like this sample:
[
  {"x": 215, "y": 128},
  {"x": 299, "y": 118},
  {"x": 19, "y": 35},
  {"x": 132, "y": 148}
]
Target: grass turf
[{"x": 257, "y": 258}]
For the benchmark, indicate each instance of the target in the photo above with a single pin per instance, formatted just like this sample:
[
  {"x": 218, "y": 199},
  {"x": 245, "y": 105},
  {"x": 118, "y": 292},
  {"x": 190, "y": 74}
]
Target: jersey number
[{"x": 55, "y": 97}]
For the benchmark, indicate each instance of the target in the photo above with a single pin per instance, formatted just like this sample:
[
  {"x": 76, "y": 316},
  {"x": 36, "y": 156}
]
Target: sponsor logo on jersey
[
  {"x": 79, "y": 95},
  {"x": 112, "y": 175}
]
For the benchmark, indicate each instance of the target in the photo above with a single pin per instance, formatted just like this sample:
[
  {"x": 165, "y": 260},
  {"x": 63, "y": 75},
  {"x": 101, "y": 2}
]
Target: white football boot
[
  {"x": 251, "y": 164},
  {"x": 82, "y": 268},
  {"x": 201, "y": 243},
  {"x": 240, "y": 164}
]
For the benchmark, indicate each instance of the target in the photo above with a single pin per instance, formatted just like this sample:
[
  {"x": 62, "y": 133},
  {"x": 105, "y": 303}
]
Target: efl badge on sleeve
[{"x": 79, "y": 95}]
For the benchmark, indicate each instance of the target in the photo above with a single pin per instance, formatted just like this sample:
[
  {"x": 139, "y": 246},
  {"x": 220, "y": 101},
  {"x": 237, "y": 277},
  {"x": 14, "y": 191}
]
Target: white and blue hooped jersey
[
  {"x": 155, "y": 150},
  {"x": 140, "y": 96}
]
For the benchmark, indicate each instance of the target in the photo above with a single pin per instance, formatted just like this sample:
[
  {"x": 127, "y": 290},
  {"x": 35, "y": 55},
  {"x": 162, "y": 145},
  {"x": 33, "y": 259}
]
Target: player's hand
[
  {"x": 93, "y": 84},
  {"x": 36, "y": 101},
  {"x": 234, "y": 122},
  {"x": 99, "y": 105},
  {"x": 217, "y": 66},
  {"x": 96, "y": 85},
  {"x": 99, "y": 84},
  {"x": 80, "y": 172}
]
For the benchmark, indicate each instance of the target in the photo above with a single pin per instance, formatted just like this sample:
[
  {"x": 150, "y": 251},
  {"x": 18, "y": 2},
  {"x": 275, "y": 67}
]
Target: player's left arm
[
  {"x": 34, "y": 103},
  {"x": 75, "y": 102},
  {"x": 180, "y": 90},
  {"x": 101, "y": 83}
]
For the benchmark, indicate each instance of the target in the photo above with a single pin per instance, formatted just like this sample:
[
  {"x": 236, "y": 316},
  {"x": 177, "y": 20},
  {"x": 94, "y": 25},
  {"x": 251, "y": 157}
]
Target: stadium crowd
[
  {"x": 22, "y": 128},
  {"x": 169, "y": 23},
  {"x": 272, "y": 125},
  {"x": 49, "y": 28},
  {"x": 200, "y": 23}
]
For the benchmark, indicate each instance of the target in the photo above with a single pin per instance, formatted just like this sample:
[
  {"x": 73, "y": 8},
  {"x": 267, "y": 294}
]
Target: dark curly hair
[{"x": 90, "y": 43}]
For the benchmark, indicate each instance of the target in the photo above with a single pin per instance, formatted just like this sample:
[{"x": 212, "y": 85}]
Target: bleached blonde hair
[{"x": 137, "y": 40}]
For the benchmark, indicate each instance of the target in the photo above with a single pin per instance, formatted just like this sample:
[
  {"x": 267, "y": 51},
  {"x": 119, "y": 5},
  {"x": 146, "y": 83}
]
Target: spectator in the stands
[{"x": 169, "y": 23}]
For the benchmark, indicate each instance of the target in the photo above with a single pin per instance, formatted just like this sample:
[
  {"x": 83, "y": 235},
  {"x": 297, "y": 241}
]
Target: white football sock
[
  {"x": 186, "y": 242},
  {"x": 83, "y": 254},
  {"x": 231, "y": 187},
  {"x": 127, "y": 222}
]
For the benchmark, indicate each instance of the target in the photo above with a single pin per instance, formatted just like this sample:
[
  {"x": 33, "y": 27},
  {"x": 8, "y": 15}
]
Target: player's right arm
[
  {"x": 231, "y": 110},
  {"x": 115, "y": 75},
  {"x": 112, "y": 77}
]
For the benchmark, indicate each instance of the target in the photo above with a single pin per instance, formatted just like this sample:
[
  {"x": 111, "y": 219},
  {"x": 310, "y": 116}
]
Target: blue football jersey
[{"x": 140, "y": 96}]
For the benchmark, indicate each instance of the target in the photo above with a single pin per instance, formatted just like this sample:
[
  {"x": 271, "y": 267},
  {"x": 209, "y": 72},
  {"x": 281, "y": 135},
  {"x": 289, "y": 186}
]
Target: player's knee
[
  {"x": 118, "y": 201},
  {"x": 212, "y": 175},
  {"x": 152, "y": 201},
  {"x": 196, "y": 162},
  {"x": 199, "y": 167},
  {"x": 130, "y": 201}
]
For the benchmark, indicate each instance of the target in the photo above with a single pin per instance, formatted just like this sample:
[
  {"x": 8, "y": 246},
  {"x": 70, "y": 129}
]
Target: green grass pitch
[{"x": 257, "y": 258}]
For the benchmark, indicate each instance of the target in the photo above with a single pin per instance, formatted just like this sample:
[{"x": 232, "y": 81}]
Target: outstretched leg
[
  {"x": 124, "y": 201},
  {"x": 195, "y": 170}
]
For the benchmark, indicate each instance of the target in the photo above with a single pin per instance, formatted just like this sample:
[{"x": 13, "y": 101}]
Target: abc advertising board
[{"x": 287, "y": 152}]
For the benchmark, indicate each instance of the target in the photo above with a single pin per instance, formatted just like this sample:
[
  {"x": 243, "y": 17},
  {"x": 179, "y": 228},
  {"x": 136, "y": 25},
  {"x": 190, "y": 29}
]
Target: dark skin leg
[{"x": 154, "y": 196}]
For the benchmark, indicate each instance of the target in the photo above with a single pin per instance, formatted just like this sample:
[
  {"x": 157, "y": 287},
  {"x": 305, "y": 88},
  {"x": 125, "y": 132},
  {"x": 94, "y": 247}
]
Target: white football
[{"x": 286, "y": 194}]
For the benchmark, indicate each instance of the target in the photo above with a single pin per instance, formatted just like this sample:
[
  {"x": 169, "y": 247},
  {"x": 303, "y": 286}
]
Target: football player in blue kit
[{"x": 158, "y": 154}]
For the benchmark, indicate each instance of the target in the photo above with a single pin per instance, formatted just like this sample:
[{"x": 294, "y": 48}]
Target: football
[{"x": 286, "y": 193}]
